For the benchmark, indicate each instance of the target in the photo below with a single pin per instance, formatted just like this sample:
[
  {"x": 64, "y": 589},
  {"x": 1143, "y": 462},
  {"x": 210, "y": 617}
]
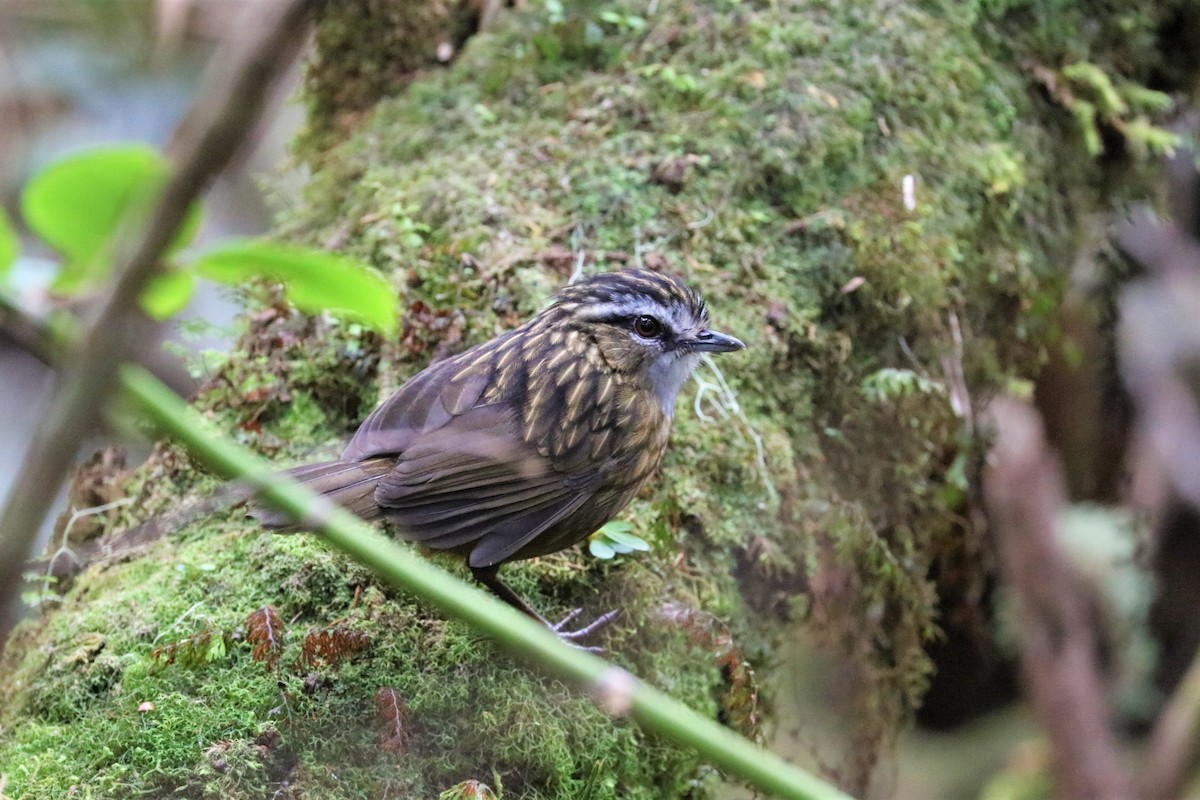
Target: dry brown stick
[
  {"x": 32, "y": 334},
  {"x": 1173, "y": 744},
  {"x": 203, "y": 144},
  {"x": 1023, "y": 486},
  {"x": 1160, "y": 341}
]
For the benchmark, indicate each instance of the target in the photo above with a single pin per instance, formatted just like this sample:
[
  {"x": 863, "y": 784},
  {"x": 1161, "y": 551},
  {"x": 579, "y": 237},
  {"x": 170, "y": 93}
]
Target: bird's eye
[{"x": 647, "y": 327}]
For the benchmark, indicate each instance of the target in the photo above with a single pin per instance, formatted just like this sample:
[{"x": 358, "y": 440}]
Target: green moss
[
  {"x": 367, "y": 50},
  {"x": 225, "y": 725},
  {"x": 758, "y": 148},
  {"x": 790, "y": 131}
]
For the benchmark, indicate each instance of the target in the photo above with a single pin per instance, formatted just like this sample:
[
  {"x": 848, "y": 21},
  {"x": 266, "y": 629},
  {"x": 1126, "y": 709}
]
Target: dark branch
[
  {"x": 1023, "y": 486},
  {"x": 27, "y": 332},
  {"x": 204, "y": 143}
]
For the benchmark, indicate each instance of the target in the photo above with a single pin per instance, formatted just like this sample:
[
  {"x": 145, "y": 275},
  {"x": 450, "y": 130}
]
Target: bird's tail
[{"x": 349, "y": 484}]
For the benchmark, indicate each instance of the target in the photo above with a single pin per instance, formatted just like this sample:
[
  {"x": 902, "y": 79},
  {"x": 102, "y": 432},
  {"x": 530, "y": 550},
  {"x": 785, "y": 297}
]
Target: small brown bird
[{"x": 528, "y": 443}]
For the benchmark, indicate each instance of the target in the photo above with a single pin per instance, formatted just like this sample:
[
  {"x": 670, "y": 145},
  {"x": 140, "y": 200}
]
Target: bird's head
[{"x": 644, "y": 324}]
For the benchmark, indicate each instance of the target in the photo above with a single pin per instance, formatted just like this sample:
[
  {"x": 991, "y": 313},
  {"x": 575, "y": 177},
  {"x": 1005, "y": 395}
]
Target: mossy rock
[
  {"x": 863, "y": 191},
  {"x": 146, "y": 680}
]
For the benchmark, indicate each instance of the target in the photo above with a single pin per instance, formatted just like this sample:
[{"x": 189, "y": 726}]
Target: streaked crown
[{"x": 614, "y": 294}]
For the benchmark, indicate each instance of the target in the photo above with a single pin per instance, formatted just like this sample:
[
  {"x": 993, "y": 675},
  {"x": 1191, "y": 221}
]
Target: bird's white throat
[{"x": 667, "y": 376}]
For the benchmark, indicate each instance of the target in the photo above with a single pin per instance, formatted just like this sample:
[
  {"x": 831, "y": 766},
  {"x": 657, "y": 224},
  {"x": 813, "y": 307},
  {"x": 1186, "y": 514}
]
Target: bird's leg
[{"x": 490, "y": 578}]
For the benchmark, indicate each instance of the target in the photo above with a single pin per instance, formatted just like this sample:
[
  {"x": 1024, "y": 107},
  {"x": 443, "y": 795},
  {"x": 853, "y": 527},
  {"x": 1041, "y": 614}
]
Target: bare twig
[
  {"x": 956, "y": 381},
  {"x": 1173, "y": 744},
  {"x": 1160, "y": 343},
  {"x": 1023, "y": 485},
  {"x": 36, "y": 336},
  {"x": 725, "y": 401},
  {"x": 27, "y": 333},
  {"x": 203, "y": 145}
]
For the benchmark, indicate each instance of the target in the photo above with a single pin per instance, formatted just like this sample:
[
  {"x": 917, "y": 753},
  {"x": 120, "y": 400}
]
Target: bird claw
[{"x": 570, "y": 637}]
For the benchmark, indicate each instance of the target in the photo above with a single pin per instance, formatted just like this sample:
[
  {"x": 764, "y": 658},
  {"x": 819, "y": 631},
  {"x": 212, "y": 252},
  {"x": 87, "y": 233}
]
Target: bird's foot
[{"x": 571, "y": 637}]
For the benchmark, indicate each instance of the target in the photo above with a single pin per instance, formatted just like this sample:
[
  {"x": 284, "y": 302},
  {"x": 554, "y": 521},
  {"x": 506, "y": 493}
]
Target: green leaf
[
  {"x": 314, "y": 280},
  {"x": 168, "y": 293},
  {"x": 616, "y": 525},
  {"x": 615, "y": 537},
  {"x": 627, "y": 540},
  {"x": 77, "y": 205},
  {"x": 9, "y": 244},
  {"x": 600, "y": 549}
]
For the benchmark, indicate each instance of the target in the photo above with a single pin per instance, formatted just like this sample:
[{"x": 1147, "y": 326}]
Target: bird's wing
[
  {"x": 428, "y": 401},
  {"x": 483, "y": 470},
  {"x": 475, "y": 479}
]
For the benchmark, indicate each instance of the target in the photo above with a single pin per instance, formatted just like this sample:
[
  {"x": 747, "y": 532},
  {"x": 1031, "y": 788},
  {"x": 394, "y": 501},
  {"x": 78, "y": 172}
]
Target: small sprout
[
  {"x": 681, "y": 82},
  {"x": 1091, "y": 78},
  {"x": 1095, "y": 100},
  {"x": 629, "y": 22},
  {"x": 196, "y": 650},
  {"x": 600, "y": 549},
  {"x": 615, "y": 537},
  {"x": 891, "y": 384},
  {"x": 1146, "y": 100},
  {"x": 1085, "y": 117}
]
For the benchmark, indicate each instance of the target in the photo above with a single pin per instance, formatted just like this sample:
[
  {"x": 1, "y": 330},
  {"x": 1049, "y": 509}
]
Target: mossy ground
[
  {"x": 758, "y": 148},
  {"x": 225, "y": 724}
]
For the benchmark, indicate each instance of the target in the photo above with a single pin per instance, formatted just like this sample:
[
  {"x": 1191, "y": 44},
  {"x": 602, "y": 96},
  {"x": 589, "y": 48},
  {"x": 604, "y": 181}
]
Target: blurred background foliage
[{"x": 770, "y": 163}]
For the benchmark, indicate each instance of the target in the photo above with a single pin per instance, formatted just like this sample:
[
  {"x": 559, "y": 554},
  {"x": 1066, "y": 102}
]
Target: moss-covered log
[{"x": 880, "y": 198}]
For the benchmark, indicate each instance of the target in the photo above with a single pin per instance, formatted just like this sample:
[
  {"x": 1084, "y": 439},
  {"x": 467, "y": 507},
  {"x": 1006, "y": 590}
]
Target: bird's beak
[{"x": 716, "y": 342}]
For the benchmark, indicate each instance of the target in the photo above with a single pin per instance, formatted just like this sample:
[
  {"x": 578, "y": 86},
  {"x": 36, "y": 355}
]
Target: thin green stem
[{"x": 614, "y": 689}]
